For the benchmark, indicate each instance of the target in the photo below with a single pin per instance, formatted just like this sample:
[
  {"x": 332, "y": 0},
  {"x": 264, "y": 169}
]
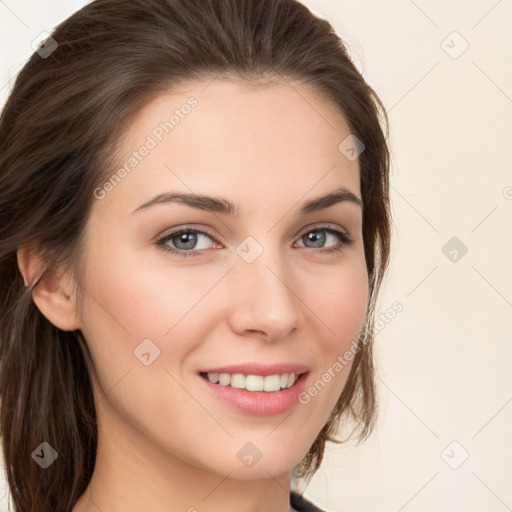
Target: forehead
[{"x": 237, "y": 139}]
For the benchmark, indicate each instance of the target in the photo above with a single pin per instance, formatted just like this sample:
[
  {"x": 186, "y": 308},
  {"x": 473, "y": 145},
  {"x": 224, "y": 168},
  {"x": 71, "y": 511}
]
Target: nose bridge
[{"x": 264, "y": 299}]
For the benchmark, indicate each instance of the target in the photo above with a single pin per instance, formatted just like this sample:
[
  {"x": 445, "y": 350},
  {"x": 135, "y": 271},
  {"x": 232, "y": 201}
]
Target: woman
[{"x": 195, "y": 226}]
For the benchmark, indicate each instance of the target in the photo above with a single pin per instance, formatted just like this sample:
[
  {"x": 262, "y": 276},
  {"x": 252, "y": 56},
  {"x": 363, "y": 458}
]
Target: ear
[{"x": 53, "y": 293}]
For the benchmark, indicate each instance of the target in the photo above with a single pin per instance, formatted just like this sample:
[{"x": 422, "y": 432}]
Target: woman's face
[{"x": 255, "y": 285}]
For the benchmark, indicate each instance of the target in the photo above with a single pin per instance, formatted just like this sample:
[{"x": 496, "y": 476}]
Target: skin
[{"x": 164, "y": 443}]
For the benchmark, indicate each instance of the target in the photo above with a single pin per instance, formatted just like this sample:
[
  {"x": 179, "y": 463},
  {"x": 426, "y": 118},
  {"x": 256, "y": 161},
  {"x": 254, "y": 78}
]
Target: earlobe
[{"x": 51, "y": 291}]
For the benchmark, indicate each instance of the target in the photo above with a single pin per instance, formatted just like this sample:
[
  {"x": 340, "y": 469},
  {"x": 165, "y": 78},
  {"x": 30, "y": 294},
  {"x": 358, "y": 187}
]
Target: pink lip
[
  {"x": 259, "y": 369},
  {"x": 257, "y": 403}
]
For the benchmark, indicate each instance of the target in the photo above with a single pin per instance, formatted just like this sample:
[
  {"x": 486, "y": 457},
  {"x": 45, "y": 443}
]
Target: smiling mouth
[{"x": 268, "y": 383}]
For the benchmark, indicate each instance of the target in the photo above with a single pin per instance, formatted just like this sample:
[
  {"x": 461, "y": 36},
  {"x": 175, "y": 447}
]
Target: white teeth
[
  {"x": 254, "y": 383},
  {"x": 238, "y": 381},
  {"x": 268, "y": 383},
  {"x": 291, "y": 379},
  {"x": 272, "y": 383},
  {"x": 224, "y": 379},
  {"x": 213, "y": 377}
]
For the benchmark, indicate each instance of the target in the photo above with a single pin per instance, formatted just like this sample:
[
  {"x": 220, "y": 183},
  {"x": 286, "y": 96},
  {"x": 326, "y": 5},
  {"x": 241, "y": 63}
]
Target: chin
[{"x": 252, "y": 464}]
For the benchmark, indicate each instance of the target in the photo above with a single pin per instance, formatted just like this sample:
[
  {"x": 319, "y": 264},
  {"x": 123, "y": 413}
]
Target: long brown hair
[{"x": 69, "y": 106}]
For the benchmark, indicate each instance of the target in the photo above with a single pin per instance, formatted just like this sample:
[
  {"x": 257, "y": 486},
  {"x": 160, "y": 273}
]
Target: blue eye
[
  {"x": 185, "y": 241},
  {"x": 321, "y": 234}
]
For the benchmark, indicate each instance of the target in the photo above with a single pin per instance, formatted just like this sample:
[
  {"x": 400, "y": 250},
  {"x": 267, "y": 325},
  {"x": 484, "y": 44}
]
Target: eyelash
[{"x": 345, "y": 240}]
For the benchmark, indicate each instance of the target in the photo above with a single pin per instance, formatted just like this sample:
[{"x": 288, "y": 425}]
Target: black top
[{"x": 301, "y": 504}]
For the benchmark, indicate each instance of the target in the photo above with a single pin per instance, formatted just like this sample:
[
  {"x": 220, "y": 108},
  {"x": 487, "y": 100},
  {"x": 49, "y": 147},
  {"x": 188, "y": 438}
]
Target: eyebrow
[{"x": 225, "y": 207}]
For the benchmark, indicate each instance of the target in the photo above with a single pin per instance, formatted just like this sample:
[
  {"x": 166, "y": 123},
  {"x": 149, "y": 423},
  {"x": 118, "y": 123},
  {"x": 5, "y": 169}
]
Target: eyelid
[
  {"x": 187, "y": 227},
  {"x": 207, "y": 231},
  {"x": 321, "y": 225}
]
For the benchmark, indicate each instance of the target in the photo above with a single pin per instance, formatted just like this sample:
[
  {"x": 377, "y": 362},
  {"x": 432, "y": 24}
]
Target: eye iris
[
  {"x": 317, "y": 237},
  {"x": 190, "y": 238}
]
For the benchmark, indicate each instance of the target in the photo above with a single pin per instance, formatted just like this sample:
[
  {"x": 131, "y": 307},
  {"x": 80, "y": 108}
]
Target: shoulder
[{"x": 301, "y": 504}]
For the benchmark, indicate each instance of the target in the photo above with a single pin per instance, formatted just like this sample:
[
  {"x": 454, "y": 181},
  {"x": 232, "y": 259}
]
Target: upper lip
[{"x": 259, "y": 369}]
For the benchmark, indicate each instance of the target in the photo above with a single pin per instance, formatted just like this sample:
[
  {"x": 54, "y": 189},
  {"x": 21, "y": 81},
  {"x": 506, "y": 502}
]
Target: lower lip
[{"x": 258, "y": 403}]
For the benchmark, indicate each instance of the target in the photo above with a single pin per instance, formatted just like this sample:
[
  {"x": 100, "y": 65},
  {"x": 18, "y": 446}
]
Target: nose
[{"x": 262, "y": 298}]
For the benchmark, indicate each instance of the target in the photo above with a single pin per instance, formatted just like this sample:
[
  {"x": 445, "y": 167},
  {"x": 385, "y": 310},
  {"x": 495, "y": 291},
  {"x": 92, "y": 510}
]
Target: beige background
[{"x": 444, "y": 361}]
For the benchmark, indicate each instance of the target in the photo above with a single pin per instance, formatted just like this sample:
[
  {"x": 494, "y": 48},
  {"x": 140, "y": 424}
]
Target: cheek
[
  {"x": 339, "y": 298},
  {"x": 130, "y": 299},
  {"x": 339, "y": 301},
  {"x": 125, "y": 306},
  {"x": 143, "y": 296}
]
